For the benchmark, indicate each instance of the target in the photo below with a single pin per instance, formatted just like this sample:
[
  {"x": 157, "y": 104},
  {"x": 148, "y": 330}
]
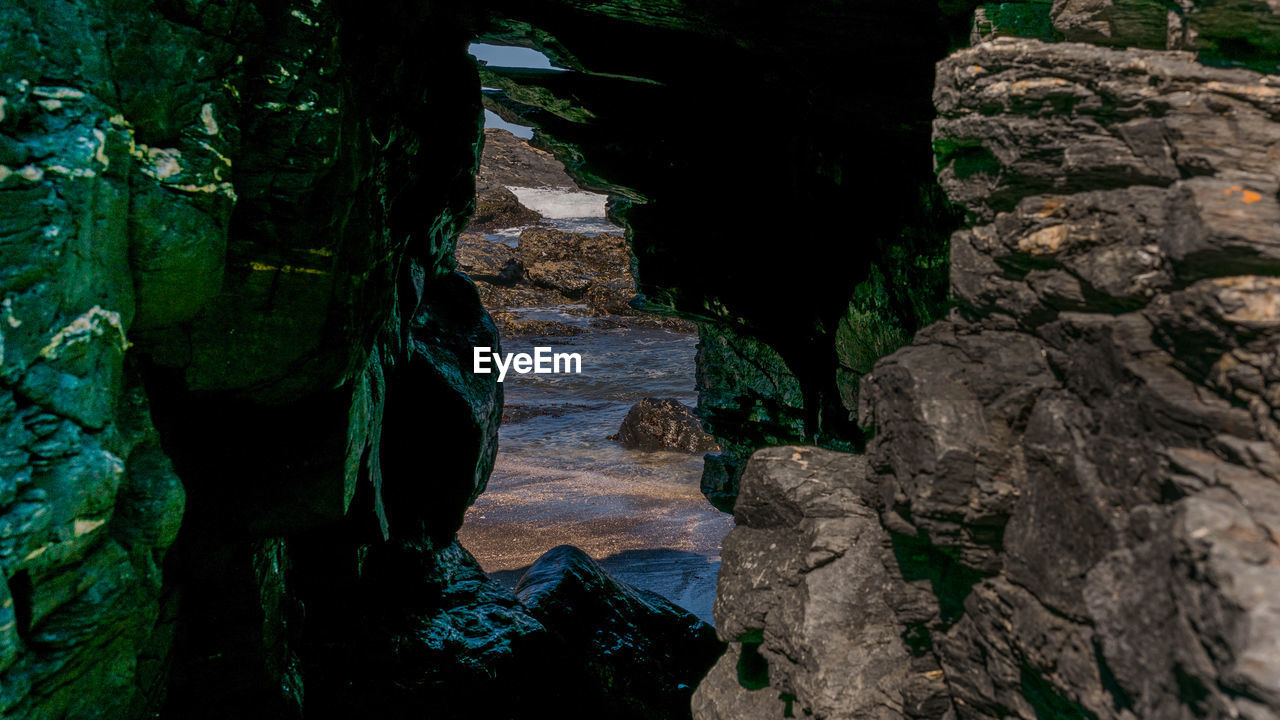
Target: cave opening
[{"x": 607, "y": 460}]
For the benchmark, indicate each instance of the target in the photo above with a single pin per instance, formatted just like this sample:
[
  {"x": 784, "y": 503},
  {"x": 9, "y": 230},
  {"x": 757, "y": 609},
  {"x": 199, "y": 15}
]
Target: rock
[
  {"x": 1042, "y": 455},
  {"x": 663, "y": 424},
  {"x": 453, "y": 628},
  {"x": 612, "y": 296},
  {"x": 510, "y": 161},
  {"x": 722, "y": 696},
  {"x": 1110, "y": 129},
  {"x": 499, "y": 298},
  {"x": 497, "y": 209},
  {"x": 488, "y": 261},
  {"x": 570, "y": 278},
  {"x": 643, "y": 655},
  {"x": 806, "y": 541},
  {"x": 605, "y": 254},
  {"x": 1027, "y": 18},
  {"x": 1123, "y": 23}
]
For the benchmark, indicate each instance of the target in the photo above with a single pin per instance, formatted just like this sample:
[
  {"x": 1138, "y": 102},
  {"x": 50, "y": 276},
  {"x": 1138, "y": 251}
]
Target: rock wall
[
  {"x": 226, "y": 286},
  {"x": 1076, "y": 472}
]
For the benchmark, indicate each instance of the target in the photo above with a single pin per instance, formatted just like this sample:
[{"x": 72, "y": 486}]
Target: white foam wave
[{"x": 554, "y": 203}]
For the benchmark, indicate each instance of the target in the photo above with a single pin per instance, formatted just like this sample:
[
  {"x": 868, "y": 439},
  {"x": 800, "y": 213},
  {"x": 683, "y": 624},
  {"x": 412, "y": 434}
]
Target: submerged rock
[
  {"x": 642, "y": 655},
  {"x": 664, "y": 424}
]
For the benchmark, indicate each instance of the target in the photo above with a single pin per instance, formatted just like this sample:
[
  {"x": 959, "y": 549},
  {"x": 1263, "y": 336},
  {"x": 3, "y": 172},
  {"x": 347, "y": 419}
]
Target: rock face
[
  {"x": 1077, "y": 470},
  {"x": 749, "y": 398},
  {"x": 663, "y": 424},
  {"x": 810, "y": 597},
  {"x": 221, "y": 301},
  {"x": 1096, "y": 409},
  {"x": 641, "y": 654}
]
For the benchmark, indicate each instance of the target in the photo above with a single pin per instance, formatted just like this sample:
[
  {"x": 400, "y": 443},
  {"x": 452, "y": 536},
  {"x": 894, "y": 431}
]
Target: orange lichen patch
[{"x": 1246, "y": 195}]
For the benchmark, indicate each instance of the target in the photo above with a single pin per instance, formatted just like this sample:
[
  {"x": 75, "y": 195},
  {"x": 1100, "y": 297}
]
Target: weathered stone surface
[
  {"x": 1124, "y": 23},
  {"x": 1060, "y": 450},
  {"x": 811, "y": 590},
  {"x": 663, "y": 424},
  {"x": 552, "y": 268},
  {"x": 642, "y": 654},
  {"x": 429, "y": 626},
  {"x": 1021, "y": 118},
  {"x": 1076, "y": 471},
  {"x": 722, "y": 696}
]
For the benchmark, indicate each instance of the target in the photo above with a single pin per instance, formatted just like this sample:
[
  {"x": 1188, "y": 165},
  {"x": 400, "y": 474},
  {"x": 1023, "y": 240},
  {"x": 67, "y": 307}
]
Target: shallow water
[
  {"x": 559, "y": 479},
  {"x": 589, "y": 226}
]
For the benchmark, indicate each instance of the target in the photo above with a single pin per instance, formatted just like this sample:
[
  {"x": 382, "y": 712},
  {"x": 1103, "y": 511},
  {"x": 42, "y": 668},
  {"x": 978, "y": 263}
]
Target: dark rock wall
[{"x": 228, "y": 231}]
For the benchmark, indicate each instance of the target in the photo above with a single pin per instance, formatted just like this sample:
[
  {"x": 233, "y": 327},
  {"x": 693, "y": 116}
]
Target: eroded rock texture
[
  {"x": 1076, "y": 471},
  {"x": 1077, "y": 438},
  {"x": 810, "y": 596}
]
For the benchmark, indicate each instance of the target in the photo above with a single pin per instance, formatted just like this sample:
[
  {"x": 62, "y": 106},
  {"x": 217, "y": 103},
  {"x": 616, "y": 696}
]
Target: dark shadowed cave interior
[{"x": 987, "y": 312}]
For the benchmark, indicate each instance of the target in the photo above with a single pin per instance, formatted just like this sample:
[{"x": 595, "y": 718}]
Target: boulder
[
  {"x": 642, "y": 655},
  {"x": 664, "y": 424}
]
